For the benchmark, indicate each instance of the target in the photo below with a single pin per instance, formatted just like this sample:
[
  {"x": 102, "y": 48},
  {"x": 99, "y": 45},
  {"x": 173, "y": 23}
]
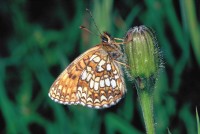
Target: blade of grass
[
  {"x": 193, "y": 27},
  {"x": 198, "y": 125},
  {"x": 169, "y": 131}
]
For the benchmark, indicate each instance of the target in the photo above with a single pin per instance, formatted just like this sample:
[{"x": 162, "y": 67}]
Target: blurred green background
[{"x": 38, "y": 39}]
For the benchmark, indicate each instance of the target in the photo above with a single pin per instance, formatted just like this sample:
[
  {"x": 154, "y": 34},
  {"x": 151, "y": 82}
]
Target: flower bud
[{"x": 142, "y": 53}]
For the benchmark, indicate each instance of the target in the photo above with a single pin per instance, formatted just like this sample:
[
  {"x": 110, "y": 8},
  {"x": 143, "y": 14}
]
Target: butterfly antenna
[
  {"x": 93, "y": 20},
  {"x": 84, "y": 28}
]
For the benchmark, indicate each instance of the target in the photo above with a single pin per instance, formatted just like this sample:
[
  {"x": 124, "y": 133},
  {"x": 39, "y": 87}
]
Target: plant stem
[{"x": 145, "y": 93}]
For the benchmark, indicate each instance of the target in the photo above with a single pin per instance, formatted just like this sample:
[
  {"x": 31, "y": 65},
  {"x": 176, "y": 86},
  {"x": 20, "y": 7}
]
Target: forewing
[{"x": 64, "y": 88}]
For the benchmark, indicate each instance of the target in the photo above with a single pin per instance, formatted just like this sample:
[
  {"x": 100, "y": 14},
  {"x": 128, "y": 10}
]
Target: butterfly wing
[{"x": 92, "y": 80}]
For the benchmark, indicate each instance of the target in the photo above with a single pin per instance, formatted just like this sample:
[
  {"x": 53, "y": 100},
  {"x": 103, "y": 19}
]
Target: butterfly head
[{"x": 106, "y": 38}]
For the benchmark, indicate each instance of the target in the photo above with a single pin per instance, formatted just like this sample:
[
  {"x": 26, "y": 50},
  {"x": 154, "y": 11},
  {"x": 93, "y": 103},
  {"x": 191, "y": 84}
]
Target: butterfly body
[{"x": 93, "y": 79}]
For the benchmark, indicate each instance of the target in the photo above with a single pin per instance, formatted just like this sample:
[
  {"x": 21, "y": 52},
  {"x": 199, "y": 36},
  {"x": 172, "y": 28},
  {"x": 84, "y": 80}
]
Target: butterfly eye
[{"x": 104, "y": 39}]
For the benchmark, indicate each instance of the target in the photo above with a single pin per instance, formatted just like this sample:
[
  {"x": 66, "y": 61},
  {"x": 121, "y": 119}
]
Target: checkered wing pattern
[{"x": 93, "y": 80}]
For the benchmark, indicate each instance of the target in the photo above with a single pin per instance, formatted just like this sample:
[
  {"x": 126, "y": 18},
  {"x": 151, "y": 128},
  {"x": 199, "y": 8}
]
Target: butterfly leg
[
  {"x": 124, "y": 64},
  {"x": 119, "y": 39},
  {"x": 122, "y": 41}
]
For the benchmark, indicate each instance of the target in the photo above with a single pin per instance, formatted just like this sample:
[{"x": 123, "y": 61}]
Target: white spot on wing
[
  {"x": 96, "y": 59},
  {"x": 105, "y": 76},
  {"x": 105, "y": 106},
  {"x": 80, "y": 89},
  {"x": 97, "y": 79},
  {"x": 96, "y": 101},
  {"x": 65, "y": 103},
  {"x": 115, "y": 72},
  {"x": 89, "y": 68},
  {"x": 89, "y": 77},
  {"x": 90, "y": 106},
  {"x": 83, "y": 95},
  {"x": 107, "y": 81},
  {"x": 112, "y": 103},
  {"x": 113, "y": 83},
  {"x": 79, "y": 94},
  {"x": 103, "y": 98},
  {"x": 84, "y": 75},
  {"x": 108, "y": 66},
  {"x": 102, "y": 83},
  {"x": 99, "y": 68},
  {"x": 96, "y": 86},
  {"x": 110, "y": 97},
  {"x": 89, "y": 99},
  {"x": 102, "y": 62},
  {"x": 97, "y": 107},
  {"x": 116, "y": 76},
  {"x": 91, "y": 84},
  {"x": 93, "y": 56},
  {"x": 82, "y": 103}
]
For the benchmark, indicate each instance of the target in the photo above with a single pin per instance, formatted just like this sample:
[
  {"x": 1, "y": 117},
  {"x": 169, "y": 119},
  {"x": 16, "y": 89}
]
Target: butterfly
[{"x": 94, "y": 79}]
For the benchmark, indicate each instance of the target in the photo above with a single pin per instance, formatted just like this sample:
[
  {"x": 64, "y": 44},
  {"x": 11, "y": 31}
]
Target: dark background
[{"x": 39, "y": 38}]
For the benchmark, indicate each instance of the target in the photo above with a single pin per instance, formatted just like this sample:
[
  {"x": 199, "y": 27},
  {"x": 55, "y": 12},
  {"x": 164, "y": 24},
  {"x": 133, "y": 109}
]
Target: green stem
[
  {"x": 193, "y": 26},
  {"x": 145, "y": 93}
]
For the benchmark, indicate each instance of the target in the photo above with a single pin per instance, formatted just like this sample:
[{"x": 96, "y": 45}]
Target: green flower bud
[
  {"x": 144, "y": 60},
  {"x": 142, "y": 52}
]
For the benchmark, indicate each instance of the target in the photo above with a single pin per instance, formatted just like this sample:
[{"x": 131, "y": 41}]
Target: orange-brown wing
[
  {"x": 101, "y": 84},
  {"x": 93, "y": 79},
  {"x": 64, "y": 88}
]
